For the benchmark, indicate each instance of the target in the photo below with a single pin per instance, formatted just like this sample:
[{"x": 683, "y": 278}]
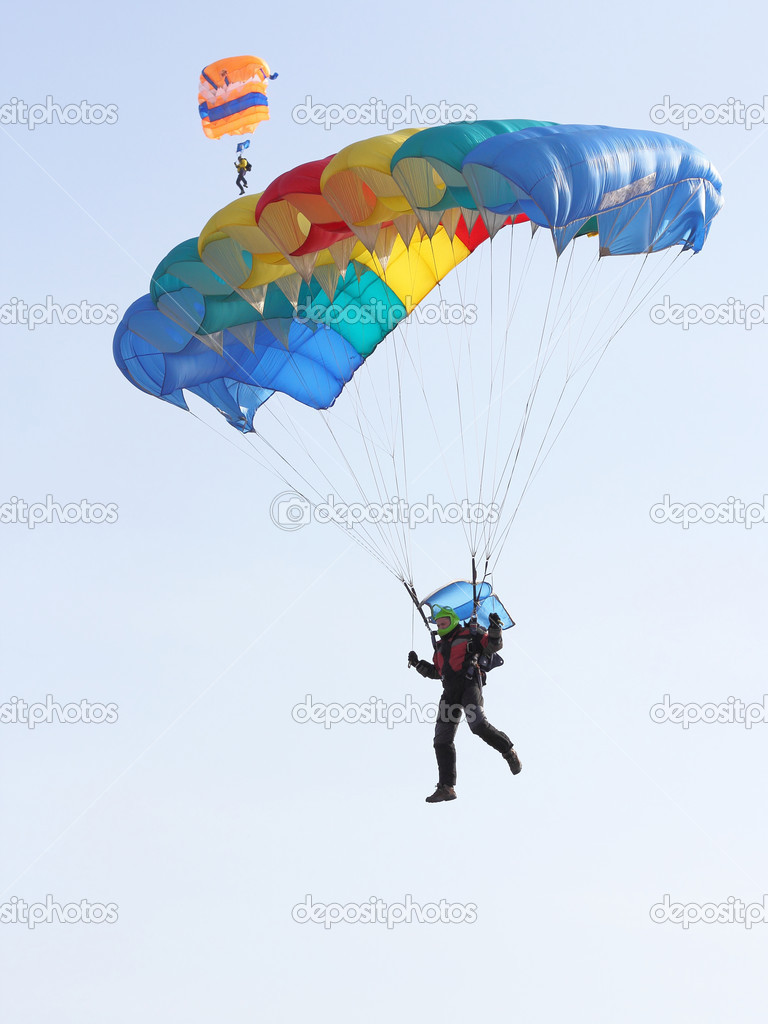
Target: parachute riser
[
  {"x": 425, "y": 620},
  {"x": 473, "y": 622}
]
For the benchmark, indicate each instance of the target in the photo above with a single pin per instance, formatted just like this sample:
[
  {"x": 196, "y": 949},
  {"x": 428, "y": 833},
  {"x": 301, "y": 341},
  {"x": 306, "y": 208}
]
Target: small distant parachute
[{"x": 233, "y": 96}]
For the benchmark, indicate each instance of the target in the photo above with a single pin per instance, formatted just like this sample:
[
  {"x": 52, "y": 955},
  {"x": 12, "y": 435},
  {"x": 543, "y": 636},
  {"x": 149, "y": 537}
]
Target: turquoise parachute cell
[
  {"x": 441, "y": 151},
  {"x": 188, "y": 292}
]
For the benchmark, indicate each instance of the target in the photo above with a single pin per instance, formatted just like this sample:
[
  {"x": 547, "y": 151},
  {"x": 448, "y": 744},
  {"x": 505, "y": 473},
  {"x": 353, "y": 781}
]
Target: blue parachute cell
[
  {"x": 459, "y": 596},
  {"x": 647, "y": 190},
  {"x": 310, "y": 363}
]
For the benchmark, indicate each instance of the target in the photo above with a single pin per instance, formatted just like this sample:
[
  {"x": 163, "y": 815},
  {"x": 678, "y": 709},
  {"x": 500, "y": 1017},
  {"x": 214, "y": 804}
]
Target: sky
[{"x": 184, "y": 832}]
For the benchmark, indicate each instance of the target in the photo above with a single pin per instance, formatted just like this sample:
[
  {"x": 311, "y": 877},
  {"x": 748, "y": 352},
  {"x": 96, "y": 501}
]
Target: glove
[
  {"x": 494, "y": 628},
  {"x": 474, "y": 647},
  {"x": 413, "y": 659}
]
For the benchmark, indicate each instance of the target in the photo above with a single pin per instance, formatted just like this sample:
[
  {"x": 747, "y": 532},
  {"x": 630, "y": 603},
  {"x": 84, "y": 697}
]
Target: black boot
[
  {"x": 513, "y": 761},
  {"x": 443, "y": 792}
]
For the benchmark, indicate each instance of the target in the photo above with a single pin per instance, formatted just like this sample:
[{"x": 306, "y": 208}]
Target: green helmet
[{"x": 445, "y": 613}]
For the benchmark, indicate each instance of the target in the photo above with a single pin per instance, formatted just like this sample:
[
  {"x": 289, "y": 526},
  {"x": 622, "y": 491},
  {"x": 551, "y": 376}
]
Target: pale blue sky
[{"x": 206, "y": 812}]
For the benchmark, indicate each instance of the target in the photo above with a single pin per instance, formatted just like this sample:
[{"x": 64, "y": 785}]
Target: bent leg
[{"x": 472, "y": 701}]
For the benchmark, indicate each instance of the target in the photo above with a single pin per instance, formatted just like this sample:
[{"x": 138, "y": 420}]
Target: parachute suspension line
[
  {"x": 225, "y": 437},
  {"x": 482, "y": 450},
  {"x": 522, "y": 280},
  {"x": 665, "y": 274},
  {"x": 565, "y": 315},
  {"x": 558, "y": 317},
  {"x": 489, "y": 415},
  {"x": 539, "y": 461},
  {"x": 441, "y": 446},
  {"x": 551, "y": 345},
  {"x": 605, "y": 314},
  {"x": 288, "y": 423},
  {"x": 377, "y": 476},
  {"x": 597, "y": 354},
  {"x": 519, "y": 435},
  {"x": 501, "y": 361},
  {"x": 464, "y": 337},
  {"x": 391, "y": 429},
  {"x": 398, "y": 427},
  {"x": 385, "y": 538},
  {"x": 401, "y": 420},
  {"x": 542, "y": 360},
  {"x": 458, "y": 359},
  {"x": 248, "y": 451},
  {"x": 474, "y": 358},
  {"x": 400, "y": 528},
  {"x": 456, "y": 363},
  {"x": 281, "y": 422},
  {"x": 420, "y": 610},
  {"x": 487, "y": 412},
  {"x": 589, "y": 285},
  {"x": 541, "y": 363},
  {"x": 304, "y": 448}
]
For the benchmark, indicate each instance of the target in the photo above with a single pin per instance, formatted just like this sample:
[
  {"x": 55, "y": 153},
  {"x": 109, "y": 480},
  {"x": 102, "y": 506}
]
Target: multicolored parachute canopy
[
  {"x": 233, "y": 96},
  {"x": 293, "y": 289},
  {"x": 284, "y": 296}
]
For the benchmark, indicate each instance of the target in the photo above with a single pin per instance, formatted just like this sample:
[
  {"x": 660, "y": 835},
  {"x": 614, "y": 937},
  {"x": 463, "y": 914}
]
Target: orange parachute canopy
[{"x": 233, "y": 96}]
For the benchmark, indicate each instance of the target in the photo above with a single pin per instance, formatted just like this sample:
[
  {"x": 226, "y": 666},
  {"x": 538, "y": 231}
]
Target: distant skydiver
[
  {"x": 242, "y": 166},
  {"x": 458, "y": 661}
]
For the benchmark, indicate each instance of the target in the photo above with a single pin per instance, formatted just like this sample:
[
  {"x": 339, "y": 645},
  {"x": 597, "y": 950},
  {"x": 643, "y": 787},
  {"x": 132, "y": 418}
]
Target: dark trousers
[
  {"x": 453, "y": 702},
  {"x": 241, "y": 181}
]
